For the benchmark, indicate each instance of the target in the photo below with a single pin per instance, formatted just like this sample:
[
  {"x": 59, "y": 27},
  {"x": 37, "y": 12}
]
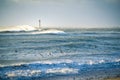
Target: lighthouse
[{"x": 39, "y": 23}]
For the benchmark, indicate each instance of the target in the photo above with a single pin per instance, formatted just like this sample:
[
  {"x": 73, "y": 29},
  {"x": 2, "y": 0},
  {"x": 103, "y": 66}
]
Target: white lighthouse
[{"x": 39, "y": 23}]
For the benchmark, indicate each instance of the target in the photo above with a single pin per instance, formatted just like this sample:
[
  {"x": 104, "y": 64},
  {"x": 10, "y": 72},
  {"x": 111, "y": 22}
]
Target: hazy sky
[{"x": 77, "y": 13}]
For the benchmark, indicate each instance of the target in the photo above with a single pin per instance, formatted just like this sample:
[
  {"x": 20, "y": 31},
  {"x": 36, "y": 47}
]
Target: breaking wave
[
  {"x": 18, "y": 28},
  {"x": 26, "y": 29},
  {"x": 51, "y": 69},
  {"x": 49, "y": 31}
]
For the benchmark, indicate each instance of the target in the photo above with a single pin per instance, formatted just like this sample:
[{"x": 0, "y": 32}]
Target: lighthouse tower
[{"x": 39, "y": 23}]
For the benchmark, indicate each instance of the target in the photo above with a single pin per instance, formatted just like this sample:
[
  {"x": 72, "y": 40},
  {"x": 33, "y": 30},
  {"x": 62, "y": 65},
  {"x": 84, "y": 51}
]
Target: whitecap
[
  {"x": 49, "y": 31},
  {"x": 23, "y": 73},
  {"x": 101, "y": 61},
  {"x": 117, "y": 60},
  {"x": 54, "y": 61},
  {"x": 62, "y": 70},
  {"x": 18, "y": 28}
]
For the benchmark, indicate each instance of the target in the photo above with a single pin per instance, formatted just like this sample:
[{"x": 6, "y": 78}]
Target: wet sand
[
  {"x": 117, "y": 78},
  {"x": 77, "y": 78},
  {"x": 110, "y": 74}
]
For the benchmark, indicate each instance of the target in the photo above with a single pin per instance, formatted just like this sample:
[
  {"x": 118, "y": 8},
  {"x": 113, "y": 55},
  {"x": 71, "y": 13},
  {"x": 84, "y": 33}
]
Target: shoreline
[
  {"x": 115, "y": 78},
  {"x": 78, "y": 77},
  {"x": 90, "y": 72}
]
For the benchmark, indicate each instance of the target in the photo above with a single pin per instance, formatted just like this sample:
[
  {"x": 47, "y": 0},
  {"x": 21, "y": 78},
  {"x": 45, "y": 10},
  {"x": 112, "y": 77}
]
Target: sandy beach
[
  {"x": 77, "y": 78},
  {"x": 116, "y": 78}
]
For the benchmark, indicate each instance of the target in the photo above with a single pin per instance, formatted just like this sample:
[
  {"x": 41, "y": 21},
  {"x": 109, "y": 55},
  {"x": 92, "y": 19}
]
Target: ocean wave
[
  {"x": 28, "y": 30},
  {"x": 18, "y": 28},
  {"x": 48, "y": 69},
  {"x": 19, "y": 63},
  {"x": 35, "y": 73},
  {"x": 62, "y": 70},
  {"x": 49, "y": 31},
  {"x": 22, "y": 73},
  {"x": 58, "y": 61}
]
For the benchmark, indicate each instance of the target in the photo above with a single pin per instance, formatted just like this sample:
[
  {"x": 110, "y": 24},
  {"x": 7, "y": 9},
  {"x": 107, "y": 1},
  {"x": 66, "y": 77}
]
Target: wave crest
[
  {"x": 18, "y": 28},
  {"x": 49, "y": 31},
  {"x": 30, "y": 30}
]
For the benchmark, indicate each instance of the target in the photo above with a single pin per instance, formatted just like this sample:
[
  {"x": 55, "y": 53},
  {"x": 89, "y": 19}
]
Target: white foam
[
  {"x": 39, "y": 62},
  {"x": 117, "y": 60},
  {"x": 91, "y": 62},
  {"x": 18, "y": 28},
  {"x": 62, "y": 70},
  {"x": 52, "y": 31},
  {"x": 54, "y": 62},
  {"x": 34, "y": 30},
  {"x": 22, "y": 73},
  {"x": 13, "y": 64},
  {"x": 101, "y": 61}
]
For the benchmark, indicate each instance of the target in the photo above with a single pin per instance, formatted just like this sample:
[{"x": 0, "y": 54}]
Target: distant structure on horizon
[{"x": 39, "y": 23}]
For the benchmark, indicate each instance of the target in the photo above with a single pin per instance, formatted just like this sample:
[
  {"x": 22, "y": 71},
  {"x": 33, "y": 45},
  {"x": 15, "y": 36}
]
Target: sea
[{"x": 66, "y": 54}]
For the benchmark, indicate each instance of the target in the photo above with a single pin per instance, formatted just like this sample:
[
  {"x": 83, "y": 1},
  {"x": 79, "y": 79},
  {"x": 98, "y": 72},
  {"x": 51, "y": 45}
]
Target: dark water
[{"x": 24, "y": 55}]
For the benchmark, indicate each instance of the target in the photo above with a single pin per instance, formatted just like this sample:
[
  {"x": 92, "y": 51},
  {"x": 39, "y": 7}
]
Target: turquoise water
[{"x": 27, "y": 55}]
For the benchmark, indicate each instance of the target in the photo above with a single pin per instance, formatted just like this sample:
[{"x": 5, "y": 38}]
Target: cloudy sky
[{"x": 63, "y": 13}]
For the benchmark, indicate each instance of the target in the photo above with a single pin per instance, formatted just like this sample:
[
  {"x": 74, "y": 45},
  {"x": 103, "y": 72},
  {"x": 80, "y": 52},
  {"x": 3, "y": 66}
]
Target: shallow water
[{"x": 28, "y": 55}]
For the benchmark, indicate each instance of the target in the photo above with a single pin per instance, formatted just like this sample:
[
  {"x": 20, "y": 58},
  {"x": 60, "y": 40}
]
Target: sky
[{"x": 60, "y": 13}]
